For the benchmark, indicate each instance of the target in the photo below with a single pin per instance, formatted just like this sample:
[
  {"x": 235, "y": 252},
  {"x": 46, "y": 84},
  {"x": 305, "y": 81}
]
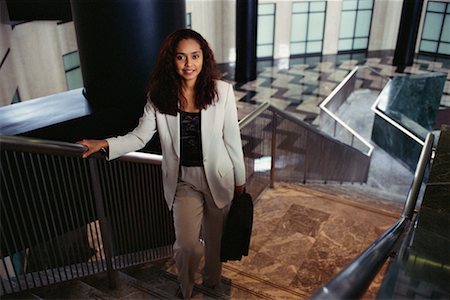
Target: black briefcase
[{"x": 238, "y": 229}]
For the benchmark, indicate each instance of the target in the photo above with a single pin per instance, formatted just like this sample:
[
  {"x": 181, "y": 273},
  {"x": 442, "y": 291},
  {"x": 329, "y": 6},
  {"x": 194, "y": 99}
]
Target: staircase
[{"x": 302, "y": 236}]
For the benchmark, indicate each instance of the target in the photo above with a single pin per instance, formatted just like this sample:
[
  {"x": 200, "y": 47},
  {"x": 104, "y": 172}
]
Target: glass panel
[
  {"x": 360, "y": 43},
  {"x": 448, "y": 9},
  {"x": 71, "y": 60},
  {"x": 432, "y": 27},
  {"x": 365, "y": 4},
  {"x": 265, "y": 29},
  {"x": 363, "y": 23},
  {"x": 264, "y": 51},
  {"x": 428, "y": 46},
  {"x": 188, "y": 20},
  {"x": 74, "y": 79},
  {"x": 314, "y": 47},
  {"x": 345, "y": 45},
  {"x": 298, "y": 7},
  {"x": 444, "y": 48},
  {"x": 436, "y": 6},
  {"x": 315, "y": 26},
  {"x": 349, "y": 4},
  {"x": 347, "y": 24},
  {"x": 298, "y": 48},
  {"x": 317, "y": 6},
  {"x": 16, "y": 97},
  {"x": 445, "y": 37},
  {"x": 299, "y": 25},
  {"x": 266, "y": 9}
]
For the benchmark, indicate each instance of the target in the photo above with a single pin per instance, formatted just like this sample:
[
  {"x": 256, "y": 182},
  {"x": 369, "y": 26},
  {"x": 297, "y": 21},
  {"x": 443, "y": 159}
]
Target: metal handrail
[
  {"x": 70, "y": 149},
  {"x": 394, "y": 123},
  {"x": 352, "y": 281},
  {"x": 253, "y": 115},
  {"x": 336, "y": 118}
]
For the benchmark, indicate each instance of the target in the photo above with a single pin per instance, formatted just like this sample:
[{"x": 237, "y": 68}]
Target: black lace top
[{"x": 191, "y": 139}]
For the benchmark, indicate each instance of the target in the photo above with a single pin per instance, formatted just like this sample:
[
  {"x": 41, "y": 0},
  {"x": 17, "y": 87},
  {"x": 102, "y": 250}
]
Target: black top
[{"x": 191, "y": 139}]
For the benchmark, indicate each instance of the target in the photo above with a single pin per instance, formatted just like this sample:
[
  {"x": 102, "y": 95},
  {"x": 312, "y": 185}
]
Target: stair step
[
  {"x": 73, "y": 289},
  {"x": 156, "y": 277},
  {"x": 126, "y": 287}
]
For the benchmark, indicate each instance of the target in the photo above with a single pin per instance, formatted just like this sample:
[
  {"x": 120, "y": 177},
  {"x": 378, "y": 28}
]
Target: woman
[{"x": 203, "y": 165}]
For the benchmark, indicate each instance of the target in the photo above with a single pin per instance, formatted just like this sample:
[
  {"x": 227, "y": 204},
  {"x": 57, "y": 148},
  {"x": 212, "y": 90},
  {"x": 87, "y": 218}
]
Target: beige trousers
[{"x": 196, "y": 216}]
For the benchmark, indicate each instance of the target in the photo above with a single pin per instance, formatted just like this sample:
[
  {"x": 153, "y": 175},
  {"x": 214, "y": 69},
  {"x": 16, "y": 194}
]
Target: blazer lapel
[
  {"x": 173, "y": 124},
  {"x": 208, "y": 124}
]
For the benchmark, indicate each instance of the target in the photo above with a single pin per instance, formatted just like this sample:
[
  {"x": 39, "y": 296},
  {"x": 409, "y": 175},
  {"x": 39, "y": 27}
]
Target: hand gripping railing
[{"x": 355, "y": 278}]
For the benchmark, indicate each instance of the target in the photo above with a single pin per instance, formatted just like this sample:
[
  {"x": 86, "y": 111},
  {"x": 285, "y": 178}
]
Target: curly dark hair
[{"x": 165, "y": 83}]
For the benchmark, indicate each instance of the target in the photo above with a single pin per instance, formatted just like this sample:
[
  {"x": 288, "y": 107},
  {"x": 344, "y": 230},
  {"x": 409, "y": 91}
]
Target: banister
[
  {"x": 69, "y": 149},
  {"x": 323, "y": 106},
  {"x": 352, "y": 281},
  {"x": 253, "y": 115}
]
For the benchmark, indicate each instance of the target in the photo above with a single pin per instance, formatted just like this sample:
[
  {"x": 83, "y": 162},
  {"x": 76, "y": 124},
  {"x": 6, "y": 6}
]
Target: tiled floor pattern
[{"x": 300, "y": 85}]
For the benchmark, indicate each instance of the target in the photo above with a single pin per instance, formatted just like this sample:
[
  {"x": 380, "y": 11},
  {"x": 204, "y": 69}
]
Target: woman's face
[{"x": 189, "y": 60}]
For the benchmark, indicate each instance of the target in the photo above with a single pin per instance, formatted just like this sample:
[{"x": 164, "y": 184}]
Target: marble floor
[
  {"x": 302, "y": 235},
  {"x": 299, "y": 85}
]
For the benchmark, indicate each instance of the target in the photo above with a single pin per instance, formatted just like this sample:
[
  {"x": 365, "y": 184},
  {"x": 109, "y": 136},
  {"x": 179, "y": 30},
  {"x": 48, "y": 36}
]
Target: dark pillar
[
  {"x": 407, "y": 34},
  {"x": 118, "y": 42},
  {"x": 246, "y": 24}
]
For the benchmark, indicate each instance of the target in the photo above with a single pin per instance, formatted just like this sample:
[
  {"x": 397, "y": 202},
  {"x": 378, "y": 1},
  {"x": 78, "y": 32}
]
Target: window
[
  {"x": 16, "y": 97},
  {"x": 307, "y": 29},
  {"x": 189, "y": 20},
  {"x": 73, "y": 70},
  {"x": 436, "y": 30},
  {"x": 266, "y": 30},
  {"x": 356, "y": 19}
]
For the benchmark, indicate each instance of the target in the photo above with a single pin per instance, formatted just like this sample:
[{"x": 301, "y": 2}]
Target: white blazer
[{"x": 223, "y": 158}]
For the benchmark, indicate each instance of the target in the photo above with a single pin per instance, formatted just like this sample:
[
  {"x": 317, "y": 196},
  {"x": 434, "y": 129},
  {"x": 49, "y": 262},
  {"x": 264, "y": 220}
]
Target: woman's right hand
[{"x": 93, "y": 146}]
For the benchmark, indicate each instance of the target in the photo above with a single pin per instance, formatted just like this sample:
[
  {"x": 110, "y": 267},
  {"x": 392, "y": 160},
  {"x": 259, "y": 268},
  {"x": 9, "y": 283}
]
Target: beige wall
[
  {"x": 8, "y": 81},
  {"x": 385, "y": 24},
  {"x": 215, "y": 21},
  {"x": 35, "y": 63},
  {"x": 283, "y": 19},
  {"x": 332, "y": 23}
]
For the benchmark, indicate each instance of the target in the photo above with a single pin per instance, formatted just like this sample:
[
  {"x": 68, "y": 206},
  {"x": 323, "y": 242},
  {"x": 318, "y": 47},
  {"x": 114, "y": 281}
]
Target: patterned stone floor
[
  {"x": 299, "y": 85},
  {"x": 300, "y": 240}
]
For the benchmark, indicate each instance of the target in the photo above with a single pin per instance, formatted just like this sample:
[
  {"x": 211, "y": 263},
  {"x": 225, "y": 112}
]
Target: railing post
[
  {"x": 273, "y": 149},
  {"x": 424, "y": 158},
  {"x": 99, "y": 205},
  {"x": 334, "y": 129},
  {"x": 306, "y": 158}
]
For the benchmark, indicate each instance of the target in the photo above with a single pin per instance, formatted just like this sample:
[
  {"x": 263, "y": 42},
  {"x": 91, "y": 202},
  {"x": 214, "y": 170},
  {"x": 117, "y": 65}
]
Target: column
[
  {"x": 407, "y": 34},
  {"x": 118, "y": 44},
  {"x": 246, "y": 24}
]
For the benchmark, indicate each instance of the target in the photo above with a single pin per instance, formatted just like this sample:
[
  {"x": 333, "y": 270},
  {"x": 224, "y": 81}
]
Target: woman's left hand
[{"x": 239, "y": 189}]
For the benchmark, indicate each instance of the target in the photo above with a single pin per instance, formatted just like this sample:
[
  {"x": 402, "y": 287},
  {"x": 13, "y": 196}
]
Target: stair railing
[
  {"x": 331, "y": 123},
  {"x": 353, "y": 280}
]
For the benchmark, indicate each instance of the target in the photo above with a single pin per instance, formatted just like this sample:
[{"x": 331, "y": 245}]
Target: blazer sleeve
[
  {"x": 136, "y": 139},
  {"x": 232, "y": 136}
]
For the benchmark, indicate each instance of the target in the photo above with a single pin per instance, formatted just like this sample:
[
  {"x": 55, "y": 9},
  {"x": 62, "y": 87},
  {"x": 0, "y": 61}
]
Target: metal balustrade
[{"x": 361, "y": 77}]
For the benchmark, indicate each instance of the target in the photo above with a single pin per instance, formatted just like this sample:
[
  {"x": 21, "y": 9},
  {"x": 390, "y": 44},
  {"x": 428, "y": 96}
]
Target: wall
[
  {"x": 385, "y": 24},
  {"x": 8, "y": 80},
  {"x": 332, "y": 22},
  {"x": 216, "y": 22},
  {"x": 34, "y": 64}
]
